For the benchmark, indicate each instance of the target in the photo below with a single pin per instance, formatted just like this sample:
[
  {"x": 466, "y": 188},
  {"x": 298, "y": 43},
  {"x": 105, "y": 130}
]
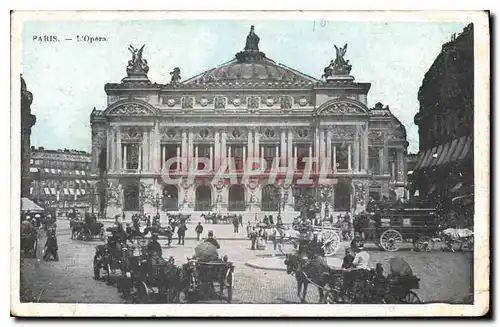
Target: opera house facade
[{"x": 250, "y": 136}]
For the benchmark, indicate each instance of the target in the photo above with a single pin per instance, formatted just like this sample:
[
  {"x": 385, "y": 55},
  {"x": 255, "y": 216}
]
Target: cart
[
  {"x": 204, "y": 276},
  {"x": 288, "y": 240},
  {"x": 370, "y": 287},
  {"x": 390, "y": 228}
]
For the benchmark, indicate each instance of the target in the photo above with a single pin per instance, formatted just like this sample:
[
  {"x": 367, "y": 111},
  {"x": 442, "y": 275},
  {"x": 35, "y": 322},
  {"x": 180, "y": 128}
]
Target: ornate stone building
[
  {"x": 27, "y": 121},
  {"x": 249, "y": 107},
  {"x": 60, "y": 179},
  {"x": 444, "y": 169}
]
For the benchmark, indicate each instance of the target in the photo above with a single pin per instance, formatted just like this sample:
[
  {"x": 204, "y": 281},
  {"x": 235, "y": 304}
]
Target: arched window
[
  {"x": 170, "y": 198},
  {"x": 203, "y": 198},
  {"x": 270, "y": 198},
  {"x": 342, "y": 196},
  {"x": 131, "y": 197},
  {"x": 236, "y": 198}
]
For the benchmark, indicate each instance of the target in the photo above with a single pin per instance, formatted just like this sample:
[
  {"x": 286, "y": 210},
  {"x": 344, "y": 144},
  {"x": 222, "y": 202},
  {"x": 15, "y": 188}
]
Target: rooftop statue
[
  {"x": 339, "y": 66},
  {"x": 137, "y": 65},
  {"x": 176, "y": 76},
  {"x": 252, "y": 41}
]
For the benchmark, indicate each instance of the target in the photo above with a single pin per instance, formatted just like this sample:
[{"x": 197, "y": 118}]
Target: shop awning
[
  {"x": 82, "y": 191},
  {"x": 46, "y": 191},
  {"x": 34, "y": 170},
  {"x": 52, "y": 191},
  {"x": 28, "y": 205},
  {"x": 77, "y": 181},
  {"x": 66, "y": 192},
  {"x": 454, "y": 151},
  {"x": 83, "y": 173},
  {"x": 77, "y": 172},
  {"x": 71, "y": 191}
]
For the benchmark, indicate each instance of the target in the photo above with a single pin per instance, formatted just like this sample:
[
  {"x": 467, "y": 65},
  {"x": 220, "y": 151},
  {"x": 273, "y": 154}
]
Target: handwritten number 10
[{"x": 322, "y": 23}]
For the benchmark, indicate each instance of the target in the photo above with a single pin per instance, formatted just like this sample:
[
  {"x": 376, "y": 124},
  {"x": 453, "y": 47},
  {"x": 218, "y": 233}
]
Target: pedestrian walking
[
  {"x": 236, "y": 225},
  {"x": 198, "y": 229},
  {"x": 181, "y": 233},
  {"x": 240, "y": 219},
  {"x": 253, "y": 237}
]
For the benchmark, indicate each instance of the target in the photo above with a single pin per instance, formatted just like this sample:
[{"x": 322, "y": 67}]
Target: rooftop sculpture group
[
  {"x": 339, "y": 66},
  {"x": 137, "y": 66}
]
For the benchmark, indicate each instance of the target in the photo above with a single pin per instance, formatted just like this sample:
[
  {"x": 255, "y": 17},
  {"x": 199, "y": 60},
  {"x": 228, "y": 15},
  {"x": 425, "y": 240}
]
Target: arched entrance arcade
[{"x": 203, "y": 201}]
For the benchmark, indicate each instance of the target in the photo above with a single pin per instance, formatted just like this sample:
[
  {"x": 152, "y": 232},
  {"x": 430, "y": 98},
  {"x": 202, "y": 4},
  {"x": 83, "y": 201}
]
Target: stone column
[
  {"x": 310, "y": 157},
  {"x": 108, "y": 148},
  {"x": 119, "y": 159},
  {"x": 321, "y": 149},
  {"x": 196, "y": 156},
  {"x": 400, "y": 171},
  {"x": 356, "y": 150},
  {"x": 381, "y": 160},
  {"x": 283, "y": 155},
  {"x": 184, "y": 150},
  {"x": 163, "y": 148},
  {"x": 178, "y": 153},
  {"x": 277, "y": 156},
  {"x": 190, "y": 149},
  {"x": 334, "y": 157},
  {"x": 365, "y": 146},
  {"x": 329, "y": 147},
  {"x": 349, "y": 157},
  {"x": 216, "y": 158},
  {"x": 316, "y": 149},
  {"x": 257, "y": 145},
  {"x": 289, "y": 151},
  {"x": 147, "y": 161},
  {"x": 139, "y": 166},
  {"x": 125, "y": 157},
  {"x": 113, "y": 149},
  {"x": 250, "y": 144},
  {"x": 211, "y": 167},
  {"x": 386, "y": 154},
  {"x": 223, "y": 147},
  {"x": 155, "y": 148}
]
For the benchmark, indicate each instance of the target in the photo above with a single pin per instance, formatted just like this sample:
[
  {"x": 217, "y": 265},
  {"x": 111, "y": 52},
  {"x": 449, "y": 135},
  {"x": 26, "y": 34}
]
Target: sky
[{"x": 67, "y": 78}]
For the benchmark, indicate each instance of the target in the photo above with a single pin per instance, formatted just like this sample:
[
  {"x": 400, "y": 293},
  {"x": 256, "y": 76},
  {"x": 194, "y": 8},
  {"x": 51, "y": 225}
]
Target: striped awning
[
  {"x": 52, "y": 191},
  {"x": 77, "y": 181},
  {"x": 454, "y": 151},
  {"x": 46, "y": 170},
  {"x": 77, "y": 191},
  {"x": 34, "y": 170},
  {"x": 66, "y": 192},
  {"x": 46, "y": 191},
  {"x": 83, "y": 173},
  {"x": 82, "y": 191},
  {"x": 71, "y": 191},
  {"x": 77, "y": 172}
]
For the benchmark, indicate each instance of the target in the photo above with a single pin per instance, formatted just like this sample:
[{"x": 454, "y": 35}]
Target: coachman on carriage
[{"x": 88, "y": 229}]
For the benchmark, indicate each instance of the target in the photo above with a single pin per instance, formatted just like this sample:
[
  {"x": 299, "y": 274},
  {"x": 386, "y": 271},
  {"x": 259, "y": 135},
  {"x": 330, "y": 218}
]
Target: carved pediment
[
  {"x": 343, "y": 132},
  {"x": 131, "y": 108},
  {"x": 169, "y": 133},
  {"x": 342, "y": 107}
]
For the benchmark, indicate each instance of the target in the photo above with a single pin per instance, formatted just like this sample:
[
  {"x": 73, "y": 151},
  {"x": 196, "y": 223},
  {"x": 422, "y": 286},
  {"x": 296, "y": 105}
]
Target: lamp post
[{"x": 92, "y": 199}]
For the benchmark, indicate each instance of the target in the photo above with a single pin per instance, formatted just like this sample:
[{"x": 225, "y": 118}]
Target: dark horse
[{"x": 308, "y": 270}]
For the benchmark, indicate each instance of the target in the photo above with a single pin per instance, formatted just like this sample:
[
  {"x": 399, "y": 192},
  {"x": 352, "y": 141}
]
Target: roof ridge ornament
[{"x": 251, "y": 51}]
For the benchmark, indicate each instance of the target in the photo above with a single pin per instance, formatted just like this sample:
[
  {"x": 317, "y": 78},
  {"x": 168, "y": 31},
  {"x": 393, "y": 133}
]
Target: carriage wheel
[
  {"x": 230, "y": 284},
  {"x": 411, "y": 298},
  {"x": 331, "y": 246},
  {"x": 424, "y": 243},
  {"x": 287, "y": 247},
  {"x": 391, "y": 240}
]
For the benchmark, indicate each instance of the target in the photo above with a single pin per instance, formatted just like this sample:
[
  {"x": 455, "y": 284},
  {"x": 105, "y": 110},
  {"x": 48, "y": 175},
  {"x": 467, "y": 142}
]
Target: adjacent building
[
  {"x": 248, "y": 107},
  {"x": 444, "y": 171},
  {"x": 61, "y": 179},
  {"x": 27, "y": 122}
]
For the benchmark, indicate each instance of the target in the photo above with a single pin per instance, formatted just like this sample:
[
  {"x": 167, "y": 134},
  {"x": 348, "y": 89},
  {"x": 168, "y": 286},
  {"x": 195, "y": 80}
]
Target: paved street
[{"x": 444, "y": 276}]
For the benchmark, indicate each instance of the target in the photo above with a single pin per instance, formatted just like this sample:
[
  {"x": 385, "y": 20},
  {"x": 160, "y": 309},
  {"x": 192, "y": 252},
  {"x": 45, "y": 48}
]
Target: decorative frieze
[
  {"x": 302, "y": 133},
  {"x": 187, "y": 102},
  {"x": 220, "y": 103},
  {"x": 130, "y": 109},
  {"x": 237, "y": 133},
  {"x": 253, "y": 104},
  {"x": 285, "y": 103},
  {"x": 131, "y": 133},
  {"x": 376, "y": 137},
  {"x": 342, "y": 132},
  {"x": 202, "y": 134}
]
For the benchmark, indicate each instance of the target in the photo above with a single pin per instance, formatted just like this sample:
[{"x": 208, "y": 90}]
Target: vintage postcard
[{"x": 213, "y": 163}]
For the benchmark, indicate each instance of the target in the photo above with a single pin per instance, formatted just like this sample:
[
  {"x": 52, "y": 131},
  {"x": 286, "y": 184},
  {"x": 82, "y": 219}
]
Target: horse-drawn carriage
[
  {"x": 390, "y": 228},
  {"x": 204, "y": 276},
  {"x": 29, "y": 239},
  {"x": 179, "y": 218},
  {"x": 87, "y": 230},
  {"x": 288, "y": 240},
  {"x": 370, "y": 287},
  {"x": 216, "y": 218}
]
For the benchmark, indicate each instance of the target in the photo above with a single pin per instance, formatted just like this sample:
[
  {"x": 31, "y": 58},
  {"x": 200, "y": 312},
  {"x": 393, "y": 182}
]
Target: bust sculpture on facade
[
  {"x": 339, "y": 66},
  {"x": 137, "y": 66}
]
